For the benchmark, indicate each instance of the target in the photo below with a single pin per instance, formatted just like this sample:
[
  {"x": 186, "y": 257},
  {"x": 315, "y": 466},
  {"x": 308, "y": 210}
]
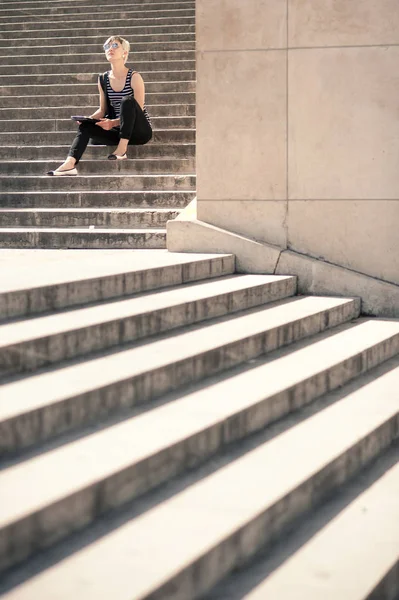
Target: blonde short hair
[{"x": 124, "y": 43}]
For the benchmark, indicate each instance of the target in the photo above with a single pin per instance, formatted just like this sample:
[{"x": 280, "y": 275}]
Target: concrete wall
[{"x": 298, "y": 126}]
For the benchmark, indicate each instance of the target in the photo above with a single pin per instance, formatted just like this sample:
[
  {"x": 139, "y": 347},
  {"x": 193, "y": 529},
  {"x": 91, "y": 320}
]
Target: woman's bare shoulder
[{"x": 137, "y": 76}]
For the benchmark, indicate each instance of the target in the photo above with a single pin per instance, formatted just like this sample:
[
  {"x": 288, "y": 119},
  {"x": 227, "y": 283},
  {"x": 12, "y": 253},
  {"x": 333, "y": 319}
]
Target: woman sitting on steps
[{"x": 123, "y": 117}]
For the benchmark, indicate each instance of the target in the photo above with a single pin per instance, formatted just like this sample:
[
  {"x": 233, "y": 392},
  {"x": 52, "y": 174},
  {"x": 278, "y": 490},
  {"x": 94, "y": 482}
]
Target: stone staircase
[
  {"x": 51, "y": 54},
  {"x": 172, "y": 430}
]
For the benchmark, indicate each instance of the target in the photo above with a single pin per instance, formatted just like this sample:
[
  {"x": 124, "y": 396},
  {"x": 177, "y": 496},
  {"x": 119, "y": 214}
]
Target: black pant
[{"x": 133, "y": 127}]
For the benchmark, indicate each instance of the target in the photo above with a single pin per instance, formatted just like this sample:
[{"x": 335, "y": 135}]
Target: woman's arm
[{"x": 139, "y": 89}]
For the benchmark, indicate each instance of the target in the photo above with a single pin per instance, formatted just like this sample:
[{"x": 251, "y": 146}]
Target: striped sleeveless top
[{"x": 115, "y": 98}]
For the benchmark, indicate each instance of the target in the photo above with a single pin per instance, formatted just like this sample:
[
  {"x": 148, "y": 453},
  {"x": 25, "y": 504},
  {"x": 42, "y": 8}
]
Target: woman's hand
[{"x": 106, "y": 124}]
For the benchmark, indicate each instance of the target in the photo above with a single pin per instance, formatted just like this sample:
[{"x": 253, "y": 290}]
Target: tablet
[{"x": 84, "y": 119}]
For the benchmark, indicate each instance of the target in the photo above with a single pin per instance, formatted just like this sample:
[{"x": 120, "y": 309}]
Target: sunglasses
[{"x": 114, "y": 45}]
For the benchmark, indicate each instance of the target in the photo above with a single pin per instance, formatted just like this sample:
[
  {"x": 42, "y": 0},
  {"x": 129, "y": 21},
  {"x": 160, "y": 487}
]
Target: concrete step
[
  {"x": 233, "y": 512},
  {"x": 154, "y": 87},
  {"x": 166, "y": 136},
  {"x": 58, "y": 153},
  {"x": 34, "y": 48},
  {"x": 141, "y": 372},
  {"x": 70, "y": 73},
  {"x": 125, "y": 182},
  {"x": 48, "y": 125},
  {"x": 40, "y": 237},
  {"x": 61, "y": 112},
  {"x": 25, "y": 345},
  {"x": 132, "y": 166},
  {"x": 86, "y": 199},
  {"x": 160, "y": 136},
  {"x": 352, "y": 541},
  {"x": 117, "y": 218},
  {"x": 36, "y": 282},
  {"x": 53, "y": 100},
  {"x": 77, "y": 61},
  {"x": 32, "y": 36},
  {"x": 48, "y": 26},
  {"x": 35, "y": 20}
]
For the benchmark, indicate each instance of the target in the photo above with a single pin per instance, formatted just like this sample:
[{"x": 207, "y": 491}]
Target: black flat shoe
[{"x": 117, "y": 157}]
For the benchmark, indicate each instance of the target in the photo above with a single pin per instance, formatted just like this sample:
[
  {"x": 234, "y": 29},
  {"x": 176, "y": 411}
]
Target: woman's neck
[{"x": 118, "y": 69}]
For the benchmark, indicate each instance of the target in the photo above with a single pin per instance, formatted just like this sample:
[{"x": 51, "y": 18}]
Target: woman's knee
[
  {"x": 128, "y": 101},
  {"x": 128, "y": 106},
  {"x": 129, "y": 98}
]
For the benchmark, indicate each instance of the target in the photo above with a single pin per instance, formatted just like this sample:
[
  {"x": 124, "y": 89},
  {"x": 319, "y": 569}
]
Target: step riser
[
  {"x": 168, "y": 136},
  {"x": 40, "y": 64},
  {"x": 46, "y": 351},
  {"x": 146, "y": 239},
  {"x": 77, "y": 511},
  {"x": 155, "y": 87},
  {"x": 63, "y": 295},
  {"x": 72, "y": 24},
  {"x": 97, "y": 200},
  {"x": 183, "y": 70},
  {"x": 48, "y": 125},
  {"x": 59, "y": 153},
  {"x": 91, "y": 100},
  {"x": 116, "y": 220},
  {"x": 59, "y": 44},
  {"x": 34, "y": 48},
  {"x": 66, "y": 34},
  {"x": 104, "y": 167},
  {"x": 77, "y": 183},
  {"x": 157, "y": 110}
]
